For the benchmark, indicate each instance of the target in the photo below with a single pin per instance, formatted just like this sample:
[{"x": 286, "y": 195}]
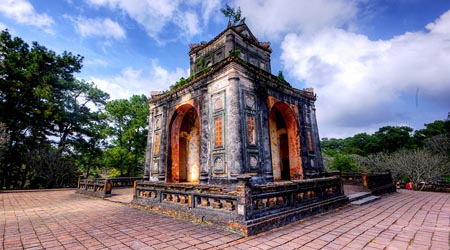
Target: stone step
[
  {"x": 365, "y": 200},
  {"x": 358, "y": 196}
]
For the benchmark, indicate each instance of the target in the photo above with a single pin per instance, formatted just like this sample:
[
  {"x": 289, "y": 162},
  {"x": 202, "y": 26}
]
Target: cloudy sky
[{"x": 371, "y": 62}]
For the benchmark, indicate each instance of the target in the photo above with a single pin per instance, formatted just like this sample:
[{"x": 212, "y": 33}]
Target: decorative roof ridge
[{"x": 308, "y": 93}]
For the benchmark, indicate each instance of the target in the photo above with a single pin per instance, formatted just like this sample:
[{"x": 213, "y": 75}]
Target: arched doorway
[
  {"x": 284, "y": 143},
  {"x": 185, "y": 145}
]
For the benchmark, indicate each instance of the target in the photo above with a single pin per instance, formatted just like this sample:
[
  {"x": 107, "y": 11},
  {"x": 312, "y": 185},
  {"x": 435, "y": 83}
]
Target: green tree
[
  {"x": 344, "y": 163},
  {"x": 128, "y": 133},
  {"x": 433, "y": 129},
  {"x": 280, "y": 77},
  {"x": 360, "y": 144},
  {"x": 50, "y": 168},
  {"x": 234, "y": 16},
  {"x": 3, "y": 140},
  {"x": 42, "y": 105},
  {"x": 89, "y": 148},
  {"x": 416, "y": 165},
  {"x": 391, "y": 138},
  {"x": 73, "y": 116},
  {"x": 422, "y": 157},
  {"x": 332, "y": 145}
]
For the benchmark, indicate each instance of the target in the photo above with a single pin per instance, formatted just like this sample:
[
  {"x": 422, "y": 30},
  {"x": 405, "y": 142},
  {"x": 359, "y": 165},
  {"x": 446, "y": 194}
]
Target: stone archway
[
  {"x": 284, "y": 143},
  {"x": 185, "y": 145}
]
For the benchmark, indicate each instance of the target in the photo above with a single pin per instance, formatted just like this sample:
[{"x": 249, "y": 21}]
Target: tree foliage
[
  {"x": 415, "y": 165},
  {"x": 50, "y": 168},
  {"x": 280, "y": 77},
  {"x": 128, "y": 133},
  {"x": 344, "y": 163},
  {"x": 234, "y": 15},
  {"x": 416, "y": 156},
  {"x": 42, "y": 106},
  {"x": 53, "y": 125},
  {"x": 387, "y": 139}
]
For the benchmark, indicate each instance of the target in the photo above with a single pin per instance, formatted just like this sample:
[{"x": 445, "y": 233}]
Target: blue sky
[{"x": 371, "y": 62}]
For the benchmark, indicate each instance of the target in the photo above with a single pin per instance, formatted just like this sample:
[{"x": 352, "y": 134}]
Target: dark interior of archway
[
  {"x": 183, "y": 159},
  {"x": 284, "y": 146},
  {"x": 280, "y": 120}
]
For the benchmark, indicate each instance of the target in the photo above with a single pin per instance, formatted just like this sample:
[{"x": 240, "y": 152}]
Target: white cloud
[
  {"x": 208, "y": 8},
  {"x": 156, "y": 15},
  {"x": 272, "y": 18},
  {"x": 360, "y": 81},
  {"x": 96, "y": 62},
  {"x": 3, "y": 26},
  {"x": 190, "y": 23},
  {"x": 23, "y": 12},
  {"x": 137, "y": 82},
  {"x": 98, "y": 27}
]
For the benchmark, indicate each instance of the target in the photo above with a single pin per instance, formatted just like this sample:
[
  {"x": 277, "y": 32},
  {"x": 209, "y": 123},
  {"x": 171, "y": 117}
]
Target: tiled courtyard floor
[{"x": 64, "y": 220}]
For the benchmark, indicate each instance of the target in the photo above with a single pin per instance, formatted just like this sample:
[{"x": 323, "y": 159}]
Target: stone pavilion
[
  {"x": 234, "y": 145},
  {"x": 231, "y": 117}
]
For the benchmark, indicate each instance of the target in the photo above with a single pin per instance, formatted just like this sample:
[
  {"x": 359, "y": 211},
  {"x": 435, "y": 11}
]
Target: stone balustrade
[
  {"x": 243, "y": 207},
  {"x": 102, "y": 187}
]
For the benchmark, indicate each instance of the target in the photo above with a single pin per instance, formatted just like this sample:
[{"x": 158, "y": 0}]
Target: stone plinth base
[{"x": 244, "y": 208}]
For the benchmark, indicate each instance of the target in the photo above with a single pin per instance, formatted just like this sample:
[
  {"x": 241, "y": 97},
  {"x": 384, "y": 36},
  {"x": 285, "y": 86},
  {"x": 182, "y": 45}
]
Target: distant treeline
[{"x": 418, "y": 156}]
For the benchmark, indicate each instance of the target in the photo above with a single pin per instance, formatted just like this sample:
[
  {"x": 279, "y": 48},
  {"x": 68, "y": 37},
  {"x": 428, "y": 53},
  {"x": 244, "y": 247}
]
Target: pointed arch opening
[
  {"x": 284, "y": 143},
  {"x": 184, "y": 146}
]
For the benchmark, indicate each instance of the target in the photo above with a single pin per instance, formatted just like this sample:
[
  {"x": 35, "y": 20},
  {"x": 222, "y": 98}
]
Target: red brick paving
[{"x": 65, "y": 220}]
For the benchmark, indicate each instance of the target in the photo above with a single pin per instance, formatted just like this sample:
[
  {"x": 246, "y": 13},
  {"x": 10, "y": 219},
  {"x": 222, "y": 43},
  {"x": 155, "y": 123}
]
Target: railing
[
  {"x": 274, "y": 198},
  {"x": 102, "y": 187},
  {"x": 379, "y": 183},
  {"x": 352, "y": 178},
  {"x": 186, "y": 195},
  {"x": 439, "y": 186},
  {"x": 124, "y": 181},
  {"x": 243, "y": 207}
]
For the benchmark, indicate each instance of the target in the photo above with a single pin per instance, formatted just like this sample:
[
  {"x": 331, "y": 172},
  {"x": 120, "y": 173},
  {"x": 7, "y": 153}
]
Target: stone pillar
[
  {"x": 233, "y": 129},
  {"x": 205, "y": 137},
  {"x": 264, "y": 142},
  {"x": 364, "y": 181},
  {"x": 108, "y": 187},
  {"x": 244, "y": 203},
  {"x": 163, "y": 145},
  {"x": 316, "y": 140},
  {"x": 148, "y": 151}
]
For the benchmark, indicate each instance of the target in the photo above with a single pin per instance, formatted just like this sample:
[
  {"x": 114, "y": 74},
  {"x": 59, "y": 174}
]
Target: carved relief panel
[
  {"x": 218, "y": 164},
  {"x": 218, "y": 131},
  {"x": 250, "y": 102},
  {"x": 251, "y": 130},
  {"x": 218, "y": 119},
  {"x": 156, "y": 144},
  {"x": 157, "y": 124},
  {"x": 250, "y": 127},
  {"x": 253, "y": 162}
]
